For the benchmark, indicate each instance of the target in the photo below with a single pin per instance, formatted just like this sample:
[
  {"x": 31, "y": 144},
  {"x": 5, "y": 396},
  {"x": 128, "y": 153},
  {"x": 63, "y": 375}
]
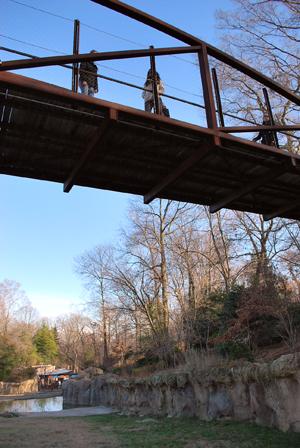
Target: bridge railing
[{"x": 203, "y": 51}]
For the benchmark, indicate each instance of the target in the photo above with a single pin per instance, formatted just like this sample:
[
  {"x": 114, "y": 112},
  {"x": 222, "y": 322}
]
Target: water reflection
[{"x": 33, "y": 405}]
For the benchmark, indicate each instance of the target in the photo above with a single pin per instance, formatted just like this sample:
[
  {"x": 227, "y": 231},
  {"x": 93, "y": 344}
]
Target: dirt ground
[
  {"x": 66, "y": 432},
  {"x": 52, "y": 432}
]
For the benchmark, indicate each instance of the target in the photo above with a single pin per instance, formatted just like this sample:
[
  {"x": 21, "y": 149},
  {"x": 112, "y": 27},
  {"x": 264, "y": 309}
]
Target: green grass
[{"x": 138, "y": 432}]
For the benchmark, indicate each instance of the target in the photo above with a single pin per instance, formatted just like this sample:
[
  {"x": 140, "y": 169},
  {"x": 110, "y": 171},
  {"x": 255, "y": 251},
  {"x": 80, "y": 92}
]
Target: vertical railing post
[
  {"x": 75, "y": 71},
  {"x": 270, "y": 113},
  {"x": 218, "y": 97},
  {"x": 208, "y": 95},
  {"x": 154, "y": 83}
]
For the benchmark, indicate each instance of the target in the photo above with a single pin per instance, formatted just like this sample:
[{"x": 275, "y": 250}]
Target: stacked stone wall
[
  {"x": 265, "y": 393},
  {"x": 28, "y": 386}
]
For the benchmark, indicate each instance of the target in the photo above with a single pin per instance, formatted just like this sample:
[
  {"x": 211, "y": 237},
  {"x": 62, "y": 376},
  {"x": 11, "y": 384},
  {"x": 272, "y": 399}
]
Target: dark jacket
[
  {"x": 90, "y": 77},
  {"x": 266, "y": 137}
]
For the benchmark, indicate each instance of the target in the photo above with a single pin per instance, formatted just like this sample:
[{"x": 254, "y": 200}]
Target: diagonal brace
[
  {"x": 197, "y": 155},
  {"x": 238, "y": 193},
  {"x": 93, "y": 145}
]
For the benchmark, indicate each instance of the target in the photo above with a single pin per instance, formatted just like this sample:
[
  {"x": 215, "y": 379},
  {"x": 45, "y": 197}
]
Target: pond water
[{"x": 32, "y": 405}]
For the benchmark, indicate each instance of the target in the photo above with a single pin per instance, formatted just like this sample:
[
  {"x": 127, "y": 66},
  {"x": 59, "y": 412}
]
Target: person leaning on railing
[
  {"x": 266, "y": 137},
  {"x": 148, "y": 94},
  {"x": 88, "y": 80}
]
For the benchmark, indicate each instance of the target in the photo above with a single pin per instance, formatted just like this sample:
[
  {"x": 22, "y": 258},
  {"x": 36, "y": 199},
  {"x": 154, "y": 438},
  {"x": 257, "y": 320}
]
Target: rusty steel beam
[
  {"x": 91, "y": 148},
  {"x": 248, "y": 188},
  {"x": 148, "y": 19},
  {"x": 265, "y": 148},
  {"x": 218, "y": 96},
  {"x": 196, "y": 157},
  {"x": 103, "y": 56},
  {"x": 260, "y": 127},
  {"x": 75, "y": 68},
  {"x": 189, "y": 39},
  {"x": 270, "y": 113},
  {"x": 282, "y": 210},
  {"x": 208, "y": 94},
  {"x": 154, "y": 83}
]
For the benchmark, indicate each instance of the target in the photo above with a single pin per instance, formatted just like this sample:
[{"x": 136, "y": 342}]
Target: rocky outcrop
[
  {"x": 90, "y": 373},
  {"x": 268, "y": 394},
  {"x": 24, "y": 387}
]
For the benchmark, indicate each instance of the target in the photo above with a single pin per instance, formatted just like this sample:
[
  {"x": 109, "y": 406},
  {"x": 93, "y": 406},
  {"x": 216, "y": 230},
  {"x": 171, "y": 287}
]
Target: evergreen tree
[
  {"x": 45, "y": 342},
  {"x": 7, "y": 359}
]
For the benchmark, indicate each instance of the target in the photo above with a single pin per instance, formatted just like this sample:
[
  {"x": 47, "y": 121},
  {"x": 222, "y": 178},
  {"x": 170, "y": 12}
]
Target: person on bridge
[
  {"x": 266, "y": 137},
  {"x": 88, "y": 80},
  {"x": 148, "y": 94}
]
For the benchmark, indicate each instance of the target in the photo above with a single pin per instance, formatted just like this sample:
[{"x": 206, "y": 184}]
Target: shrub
[
  {"x": 196, "y": 360},
  {"x": 235, "y": 350},
  {"x": 214, "y": 316},
  {"x": 7, "y": 360},
  {"x": 22, "y": 374}
]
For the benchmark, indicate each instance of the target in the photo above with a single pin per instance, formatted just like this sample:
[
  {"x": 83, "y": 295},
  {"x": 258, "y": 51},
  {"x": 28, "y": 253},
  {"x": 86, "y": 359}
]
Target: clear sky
[{"x": 43, "y": 229}]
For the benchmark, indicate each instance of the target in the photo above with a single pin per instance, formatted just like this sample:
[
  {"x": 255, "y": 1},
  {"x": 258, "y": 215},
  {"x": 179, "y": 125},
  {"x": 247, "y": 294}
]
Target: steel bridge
[{"x": 55, "y": 134}]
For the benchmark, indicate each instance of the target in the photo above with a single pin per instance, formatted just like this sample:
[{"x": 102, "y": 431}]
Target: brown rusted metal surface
[
  {"x": 218, "y": 96},
  {"x": 270, "y": 113},
  {"x": 45, "y": 140},
  {"x": 260, "y": 127},
  {"x": 208, "y": 95},
  {"x": 103, "y": 56},
  {"x": 75, "y": 71},
  {"x": 154, "y": 83}
]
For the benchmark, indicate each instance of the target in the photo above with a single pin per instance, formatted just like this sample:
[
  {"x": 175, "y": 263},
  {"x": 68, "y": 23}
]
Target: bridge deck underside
[{"x": 42, "y": 138}]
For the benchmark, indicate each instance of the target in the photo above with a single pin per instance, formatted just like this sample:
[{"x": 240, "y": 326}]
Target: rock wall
[
  {"x": 268, "y": 394},
  {"x": 28, "y": 386}
]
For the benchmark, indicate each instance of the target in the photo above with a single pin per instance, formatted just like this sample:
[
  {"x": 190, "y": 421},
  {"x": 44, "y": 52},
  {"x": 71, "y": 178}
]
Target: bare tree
[
  {"x": 263, "y": 242},
  {"x": 266, "y": 35},
  {"x": 14, "y": 306},
  {"x": 75, "y": 336},
  {"x": 146, "y": 250},
  {"x": 95, "y": 268}
]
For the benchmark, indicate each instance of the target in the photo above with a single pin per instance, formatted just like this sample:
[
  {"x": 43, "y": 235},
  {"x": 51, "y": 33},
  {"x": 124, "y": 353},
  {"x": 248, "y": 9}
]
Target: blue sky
[{"x": 42, "y": 229}]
